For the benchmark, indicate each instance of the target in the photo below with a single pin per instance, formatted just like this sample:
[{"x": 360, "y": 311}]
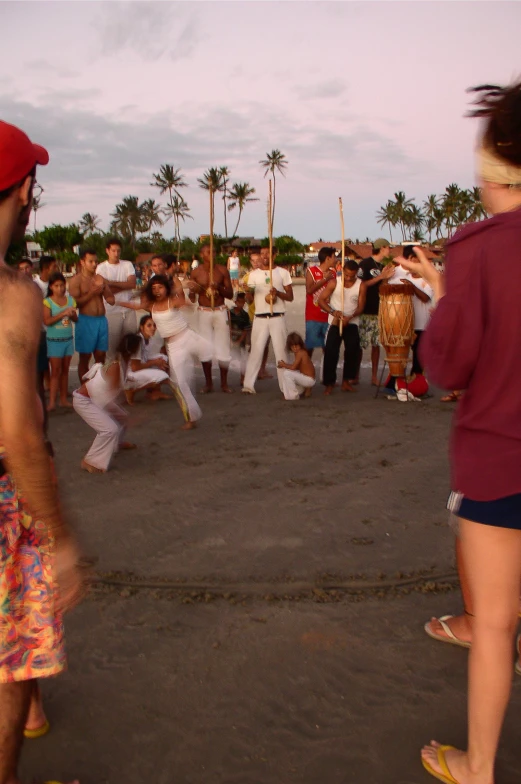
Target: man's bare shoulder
[{"x": 17, "y": 290}]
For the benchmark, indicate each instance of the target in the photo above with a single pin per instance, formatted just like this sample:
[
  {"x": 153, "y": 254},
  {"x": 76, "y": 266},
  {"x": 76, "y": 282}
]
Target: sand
[{"x": 262, "y": 667}]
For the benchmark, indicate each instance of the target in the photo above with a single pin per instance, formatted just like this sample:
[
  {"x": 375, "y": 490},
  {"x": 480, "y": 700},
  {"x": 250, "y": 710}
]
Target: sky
[{"x": 363, "y": 98}]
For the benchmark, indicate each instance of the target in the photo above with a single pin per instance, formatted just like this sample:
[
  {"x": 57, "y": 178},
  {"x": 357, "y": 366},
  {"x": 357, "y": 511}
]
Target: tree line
[{"x": 440, "y": 215}]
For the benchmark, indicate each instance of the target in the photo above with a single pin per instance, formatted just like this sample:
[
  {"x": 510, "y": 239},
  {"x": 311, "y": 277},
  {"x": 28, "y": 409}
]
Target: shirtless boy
[
  {"x": 92, "y": 332},
  {"x": 213, "y": 322},
  {"x": 298, "y": 377}
]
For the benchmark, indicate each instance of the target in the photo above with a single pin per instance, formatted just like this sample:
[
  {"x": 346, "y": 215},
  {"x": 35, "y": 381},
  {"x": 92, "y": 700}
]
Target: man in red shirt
[{"x": 316, "y": 319}]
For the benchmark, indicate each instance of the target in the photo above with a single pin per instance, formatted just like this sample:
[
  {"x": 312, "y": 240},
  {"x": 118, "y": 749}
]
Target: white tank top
[
  {"x": 350, "y": 299},
  {"x": 100, "y": 389},
  {"x": 169, "y": 322}
]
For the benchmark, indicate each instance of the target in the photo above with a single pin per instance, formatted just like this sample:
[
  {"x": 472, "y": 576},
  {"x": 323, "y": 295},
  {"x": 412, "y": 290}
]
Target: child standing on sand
[{"x": 299, "y": 377}]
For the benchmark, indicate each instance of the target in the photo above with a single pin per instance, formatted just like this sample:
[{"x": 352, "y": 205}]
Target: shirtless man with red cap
[{"x": 39, "y": 574}]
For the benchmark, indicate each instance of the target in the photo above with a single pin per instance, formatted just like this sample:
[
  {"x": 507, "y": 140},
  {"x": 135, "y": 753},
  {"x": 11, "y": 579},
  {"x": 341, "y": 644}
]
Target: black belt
[{"x": 268, "y": 315}]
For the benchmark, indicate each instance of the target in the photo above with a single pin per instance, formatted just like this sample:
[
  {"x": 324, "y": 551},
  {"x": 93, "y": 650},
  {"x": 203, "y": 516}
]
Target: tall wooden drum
[{"x": 396, "y": 324}]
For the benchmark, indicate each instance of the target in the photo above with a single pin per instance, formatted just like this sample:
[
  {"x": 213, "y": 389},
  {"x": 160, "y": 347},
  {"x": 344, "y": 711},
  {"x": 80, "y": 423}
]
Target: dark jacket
[{"x": 473, "y": 343}]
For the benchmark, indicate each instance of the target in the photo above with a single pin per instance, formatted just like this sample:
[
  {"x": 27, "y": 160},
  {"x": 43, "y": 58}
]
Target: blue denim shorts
[{"x": 316, "y": 332}]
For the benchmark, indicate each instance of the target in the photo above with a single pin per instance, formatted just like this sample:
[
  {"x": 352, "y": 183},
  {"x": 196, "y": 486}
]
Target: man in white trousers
[
  {"x": 121, "y": 277},
  {"x": 269, "y": 320},
  {"x": 213, "y": 316}
]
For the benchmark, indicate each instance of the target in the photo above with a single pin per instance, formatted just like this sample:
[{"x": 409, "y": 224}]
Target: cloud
[
  {"x": 329, "y": 88},
  {"x": 150, "y": 30},
  {"x": 44, "y": 66}
]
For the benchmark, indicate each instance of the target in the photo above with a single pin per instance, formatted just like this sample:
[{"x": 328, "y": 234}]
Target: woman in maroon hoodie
[{"x": 473, "y": 343}]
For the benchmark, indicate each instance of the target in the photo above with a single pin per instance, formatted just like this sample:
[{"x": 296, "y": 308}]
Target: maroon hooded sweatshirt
[{"x": 473, "y": 343}]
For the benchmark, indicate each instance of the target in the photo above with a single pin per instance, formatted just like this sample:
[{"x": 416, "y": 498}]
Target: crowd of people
[{"x": 470, "y": 344}]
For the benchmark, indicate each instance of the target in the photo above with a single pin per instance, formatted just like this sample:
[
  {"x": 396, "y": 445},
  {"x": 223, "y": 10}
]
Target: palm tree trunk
[
  {"x": 225, "y": 219},
  {"x": 238, "y": 221},
  {"x": 273, "y": 207}
]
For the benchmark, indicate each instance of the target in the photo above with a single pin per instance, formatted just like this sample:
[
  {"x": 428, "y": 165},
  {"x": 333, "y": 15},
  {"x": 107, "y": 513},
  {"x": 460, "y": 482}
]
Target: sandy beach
[{"x": 262, "y": 586}]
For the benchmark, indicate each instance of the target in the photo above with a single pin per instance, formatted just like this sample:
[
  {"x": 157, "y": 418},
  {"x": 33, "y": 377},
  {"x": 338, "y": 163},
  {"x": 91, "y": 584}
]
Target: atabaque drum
[{"x": 396, "y": 324}]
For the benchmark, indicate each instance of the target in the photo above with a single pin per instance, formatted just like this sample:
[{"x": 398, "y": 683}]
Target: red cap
[{"x": 18, "y": 155}]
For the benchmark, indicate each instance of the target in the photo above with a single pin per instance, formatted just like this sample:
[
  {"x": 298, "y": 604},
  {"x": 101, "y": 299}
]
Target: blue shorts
[
  {"x": 234, "y": 274},
  {"x": 58, "y": 348},
  {"x": 316, "y": 332},
  {"x": 92, "y": 334}
]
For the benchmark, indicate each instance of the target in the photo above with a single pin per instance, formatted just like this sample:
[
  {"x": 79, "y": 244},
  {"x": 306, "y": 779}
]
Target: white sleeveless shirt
[
  {"x": 169, "y": 322},
  {"x": 350, "y": 299}
]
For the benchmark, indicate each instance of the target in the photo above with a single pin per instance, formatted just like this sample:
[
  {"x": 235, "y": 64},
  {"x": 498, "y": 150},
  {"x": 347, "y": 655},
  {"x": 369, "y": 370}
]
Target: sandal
[
  {"x": 446, "y": 776},
  {"x": 451, "y": 637},
  {"x": 452, "y": 398},
  {"x": 38, "y": 732}
]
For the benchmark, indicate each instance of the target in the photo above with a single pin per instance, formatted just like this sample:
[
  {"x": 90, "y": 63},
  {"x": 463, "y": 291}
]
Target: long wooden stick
[
  {"x": 212, "y": 294},
  {"x": 270, "y": 236},
  {"x": 341, "y": 325}
]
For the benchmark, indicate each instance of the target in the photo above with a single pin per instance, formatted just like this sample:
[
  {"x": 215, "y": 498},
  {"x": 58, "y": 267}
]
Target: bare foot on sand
[
  {"x": 227, "y": 390},
  {"x": 51, "y": 408},
  {"x": 307, "y": 392},
  {"x": 206, "y": 390},
  {"x": 346, "y": 387},
  {"x": 434, "y": 755},
  {"x": 328, "y": 390},
  {"x": 127, "y": 445},
  {"x": 90, "y": 468},
  {"x": 374, "y": 382},
  {"x": 189, "y": 426},
  {"x": 264, "y": 374},
  {"x": 158, "y": 396},
  {"x": 65, "y": 404}
]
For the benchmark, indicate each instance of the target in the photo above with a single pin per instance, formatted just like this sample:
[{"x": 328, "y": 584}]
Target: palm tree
[
  {"x": 89, "y": 223},
  {"x": 128, "y": 219},
  {"x": 387, "y": 216},
  {"x": 439, "y": 219},
  {"x": 414, "y": 219},
  {"x": 240, "y": 195},
  {"x": 450, "y": 205},
  {"x": 179, "y": 211},
  {"x": 151, "y": 213},
  {"x": 274, "y": 162},
  {"x": 169, "y": 179},
  {"x": 478, "y": 211},
  {"x": 402, "y": 204},
  {"x": 212, "y": 180},
  {"x": 429, "y": 206},
  {"x": 225, "y": 178}
]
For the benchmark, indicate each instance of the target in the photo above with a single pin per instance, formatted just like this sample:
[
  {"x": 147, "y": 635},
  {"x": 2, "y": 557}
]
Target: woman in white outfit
[
  {"x": 95, "y": 402},
  {"x": 164, "y": 299},
  {"x": 145, "y": 364}
]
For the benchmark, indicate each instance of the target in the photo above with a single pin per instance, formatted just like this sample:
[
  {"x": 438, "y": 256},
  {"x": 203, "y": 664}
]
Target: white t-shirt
[
  {"x": 42, "y": 285},
  {"x": 120, "y": 273},
  {"x": 351, "y": 296},
  {"x": 234, "y": 263},
  {"x": 399, "y": 273},
  {"x": 422, "y": 310},
  {"x": 259, "y": 280}
]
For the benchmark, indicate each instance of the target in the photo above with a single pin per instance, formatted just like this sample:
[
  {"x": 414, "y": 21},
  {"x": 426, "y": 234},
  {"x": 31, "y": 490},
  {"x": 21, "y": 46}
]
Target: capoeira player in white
[
  {"x": 213, "y": 318},
  {"x": 164, "y": 299},
  {"x": 95, "y": 402},
  {"x": 265, "y": 323},
  {"x": 145, "y": 362}
]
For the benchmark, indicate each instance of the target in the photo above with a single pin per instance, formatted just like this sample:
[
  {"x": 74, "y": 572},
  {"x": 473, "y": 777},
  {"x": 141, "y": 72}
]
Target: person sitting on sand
[
  {"x": 59, "y": 311},
  {"x": 299, "y": 377},
  {"x": 141, "y": 360},
  {"x": 330, "y": 300}
]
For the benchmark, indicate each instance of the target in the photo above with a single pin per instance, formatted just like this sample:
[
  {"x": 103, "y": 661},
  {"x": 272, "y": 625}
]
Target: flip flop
[
  {"x": 446, "y": 776},
  {"x": 39, "y": 732},
  {"x": 451, "y": 637}
]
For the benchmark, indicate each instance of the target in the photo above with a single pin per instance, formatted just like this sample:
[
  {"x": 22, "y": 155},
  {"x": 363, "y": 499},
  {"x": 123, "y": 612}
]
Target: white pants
[
  {"x": 120, "y": 324},
  {"x": 215, "y": 329},
  {"x": 240, "y": 354},
  {"x": 182, "y": 349},
  {"x": 109, "y": 424},
  {"x": 142, "y": 378},
  {"x": 262, "y": 330},
  {"x": 294, "y": 383}
]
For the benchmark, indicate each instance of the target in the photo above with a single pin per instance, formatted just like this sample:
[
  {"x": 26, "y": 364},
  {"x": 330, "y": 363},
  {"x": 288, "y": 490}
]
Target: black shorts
[
  {"x": 503, "y": 512},
  {"x": 43, "y": 360}
]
